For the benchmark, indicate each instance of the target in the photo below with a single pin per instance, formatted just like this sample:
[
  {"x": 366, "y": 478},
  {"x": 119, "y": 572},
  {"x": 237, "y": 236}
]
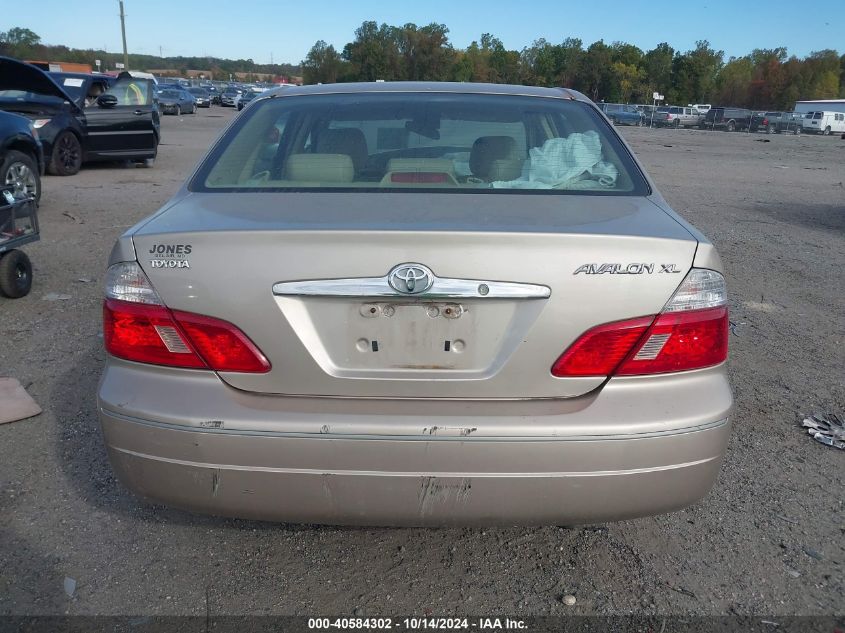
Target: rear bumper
[{"x": 507, "y": 469}]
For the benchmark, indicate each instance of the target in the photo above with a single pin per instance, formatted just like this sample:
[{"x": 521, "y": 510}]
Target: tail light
[
  {"x": 137, "y": 326},
  {"x": 690, "y": 333}
]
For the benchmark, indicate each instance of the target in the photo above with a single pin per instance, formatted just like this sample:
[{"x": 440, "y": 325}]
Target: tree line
[
  {"x": 616, "y": 72},
  {"x": 23, "y": 43}
]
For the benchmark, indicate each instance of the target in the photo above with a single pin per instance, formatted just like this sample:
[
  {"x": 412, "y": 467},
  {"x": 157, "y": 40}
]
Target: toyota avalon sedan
[{"x": 417, "y": 304}]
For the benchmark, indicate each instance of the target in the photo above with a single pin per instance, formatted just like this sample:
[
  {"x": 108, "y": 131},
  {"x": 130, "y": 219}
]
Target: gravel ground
[{"x": 767, "y": 540}]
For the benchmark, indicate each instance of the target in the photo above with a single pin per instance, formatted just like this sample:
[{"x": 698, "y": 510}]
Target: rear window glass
[{"x": 420, "y": 141}]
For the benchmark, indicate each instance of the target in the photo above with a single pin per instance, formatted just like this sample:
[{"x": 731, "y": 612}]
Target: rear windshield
[{"x": 421, "y": 141}]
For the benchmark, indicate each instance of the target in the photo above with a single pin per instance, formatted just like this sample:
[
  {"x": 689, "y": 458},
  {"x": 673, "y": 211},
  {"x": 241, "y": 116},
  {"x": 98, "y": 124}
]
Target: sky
[{"x": 283, "y": 31}]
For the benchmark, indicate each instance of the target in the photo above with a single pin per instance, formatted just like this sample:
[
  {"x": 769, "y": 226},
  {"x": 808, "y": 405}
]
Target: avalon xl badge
[{"x": 410, "y": 279}]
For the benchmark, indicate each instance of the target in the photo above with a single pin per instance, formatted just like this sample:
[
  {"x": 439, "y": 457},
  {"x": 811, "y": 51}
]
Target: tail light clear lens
[
  {"x": 137, "y": 326},
  {"x": 690, "y": 333}
]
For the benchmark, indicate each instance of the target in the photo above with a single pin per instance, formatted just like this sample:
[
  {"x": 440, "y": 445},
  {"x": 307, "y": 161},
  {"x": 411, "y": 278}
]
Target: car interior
[{"x": 421, "y": 145}]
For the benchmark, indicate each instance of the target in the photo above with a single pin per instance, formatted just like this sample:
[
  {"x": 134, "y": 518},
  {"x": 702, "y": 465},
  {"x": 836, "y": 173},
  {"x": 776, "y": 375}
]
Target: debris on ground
[
  {"x": 55, "y": 296},
  {"x": 826, "y": 428},
  {"x": 17, "y": 403},
  {"x": 70, "y": 586},
  {"x": 734, "y": 325},
  {"x": 809, "y": 551},
  {"x": 568, "y": 600}
]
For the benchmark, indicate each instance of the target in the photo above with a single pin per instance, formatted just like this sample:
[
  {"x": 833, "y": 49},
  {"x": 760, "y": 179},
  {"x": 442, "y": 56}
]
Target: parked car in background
[
  {"x": 176, "y": 101},
  {"x": 728, "y": 119},
  {"x": 21, "y": 156},
  {"x": 821, "y": 122},
  {"x": 213, "y": 92},
  {"x": 790, "y": 122},
  {"x": 123, "y": 124},
  {"x": 245, "y": 98},
  {"x": 359, "y": 367},
  {"x": 777, "y": 122},
  {"x": 700, "y": 108},
  {"x": 201, "y": 96},
  {"x": 763, "y": 121},
  {"x": 228, "y": 96},
  {"x": 622, "y": 114},
  {"x": 676, "y": 116}
]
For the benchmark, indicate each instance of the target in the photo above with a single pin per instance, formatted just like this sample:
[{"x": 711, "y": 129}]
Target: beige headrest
[
  {"x": 505, "y": 169},
  {"x": 436, "y": 165},
  {"x": 319, "y": 168},
  {"x": 488, "y": 149},
  {"x": 349, "y": 141}
]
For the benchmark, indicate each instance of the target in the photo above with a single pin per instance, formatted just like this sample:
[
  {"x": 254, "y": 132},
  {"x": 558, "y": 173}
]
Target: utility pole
[{"x": 123, "y": 33}]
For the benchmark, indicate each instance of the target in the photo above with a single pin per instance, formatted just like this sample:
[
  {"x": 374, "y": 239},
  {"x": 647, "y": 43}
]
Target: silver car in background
[{"x": 417, "y": 304}]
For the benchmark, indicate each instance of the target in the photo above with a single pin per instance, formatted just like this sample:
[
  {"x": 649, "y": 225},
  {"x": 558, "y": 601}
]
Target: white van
[{"x": 824, "y": 122}]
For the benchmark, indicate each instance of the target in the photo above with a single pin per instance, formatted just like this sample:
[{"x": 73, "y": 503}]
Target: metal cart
[{"x": 18, "y": 226}]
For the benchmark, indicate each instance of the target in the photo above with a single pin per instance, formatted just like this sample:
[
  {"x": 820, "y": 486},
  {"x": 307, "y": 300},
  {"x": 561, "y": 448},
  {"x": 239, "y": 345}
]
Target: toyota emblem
[{"x": 410, "y": 279}]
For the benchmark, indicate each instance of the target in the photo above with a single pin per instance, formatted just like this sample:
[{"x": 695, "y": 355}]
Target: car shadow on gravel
[
  {"x": 814, "y": 216},
  {"x": 81, "y": 454}
]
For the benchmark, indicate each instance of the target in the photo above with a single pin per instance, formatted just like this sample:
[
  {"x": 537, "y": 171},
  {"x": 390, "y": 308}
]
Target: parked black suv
[
  {"x": 21, "y": 158},
  {"x": 121, "y": 124},
  {"x": 728, "y": 119}
]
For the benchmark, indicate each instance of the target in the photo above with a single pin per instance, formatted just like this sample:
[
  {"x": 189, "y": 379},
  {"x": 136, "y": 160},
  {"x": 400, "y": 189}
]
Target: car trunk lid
[{"x": 515, "y": 279}]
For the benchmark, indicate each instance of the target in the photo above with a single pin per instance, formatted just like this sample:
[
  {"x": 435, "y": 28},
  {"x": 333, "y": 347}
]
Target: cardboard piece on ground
[{"x": 15, "y": 402}]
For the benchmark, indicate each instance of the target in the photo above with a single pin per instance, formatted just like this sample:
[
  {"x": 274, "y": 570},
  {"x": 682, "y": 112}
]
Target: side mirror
[{"x": 107, "y": 101}]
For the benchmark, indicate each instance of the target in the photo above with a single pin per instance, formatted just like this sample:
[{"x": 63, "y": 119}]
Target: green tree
[
  {"x": 426, "y": 52},
  {"x": 18, "y": 36},
  {"x": 657, "y": 64},
  {"x": 734, "y": 81},
  {"x": 374, "y": 53},
  {"x": 596, "y": 76},
  {"x": 322, "y": 64}
]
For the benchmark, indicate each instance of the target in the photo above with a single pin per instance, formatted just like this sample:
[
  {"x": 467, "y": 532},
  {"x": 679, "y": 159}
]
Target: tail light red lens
[
  {"x": 680, "y": 341},
  {"x": 223, "y": 346},
  {"x": 600, "y": 350},
  {"x": 675, "y": 341},
  {"x": 148, "y": 333}
]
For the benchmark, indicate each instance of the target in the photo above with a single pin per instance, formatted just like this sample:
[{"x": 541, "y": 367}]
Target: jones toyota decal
[{"x": 170, "y": 255}]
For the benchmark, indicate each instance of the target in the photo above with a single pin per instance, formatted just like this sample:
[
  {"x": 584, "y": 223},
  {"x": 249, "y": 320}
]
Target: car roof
[{"x": 426, "y": 86}]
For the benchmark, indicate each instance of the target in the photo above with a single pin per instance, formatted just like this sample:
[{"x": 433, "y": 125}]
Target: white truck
[{"x": 825, "y": 123}]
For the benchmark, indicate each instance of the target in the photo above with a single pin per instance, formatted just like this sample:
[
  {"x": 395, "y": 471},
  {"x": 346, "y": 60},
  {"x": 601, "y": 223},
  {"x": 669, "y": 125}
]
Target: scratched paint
[{"x": 442, "y": 493}]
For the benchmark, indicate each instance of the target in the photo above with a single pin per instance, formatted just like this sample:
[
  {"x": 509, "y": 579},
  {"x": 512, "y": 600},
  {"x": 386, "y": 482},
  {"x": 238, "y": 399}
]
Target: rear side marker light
[{"x": 690, "y": 333}]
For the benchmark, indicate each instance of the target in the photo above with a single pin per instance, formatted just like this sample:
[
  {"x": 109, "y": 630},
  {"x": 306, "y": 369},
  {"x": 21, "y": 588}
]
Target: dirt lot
[{"x": 768, "y": 540}]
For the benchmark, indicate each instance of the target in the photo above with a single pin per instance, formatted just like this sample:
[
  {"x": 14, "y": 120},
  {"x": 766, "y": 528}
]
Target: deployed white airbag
[{"x": 573, "y": 162}]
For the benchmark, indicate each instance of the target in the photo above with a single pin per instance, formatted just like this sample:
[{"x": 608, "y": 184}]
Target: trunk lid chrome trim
[{"x": 438, "y": 288}]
